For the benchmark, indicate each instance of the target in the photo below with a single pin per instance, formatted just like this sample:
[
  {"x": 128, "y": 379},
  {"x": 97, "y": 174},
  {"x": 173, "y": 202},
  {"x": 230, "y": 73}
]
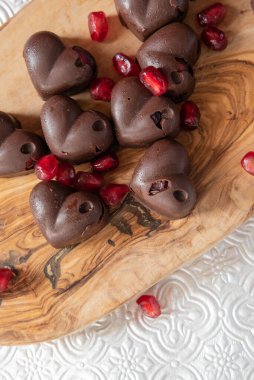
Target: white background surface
[{"x": 205, "y": 332}]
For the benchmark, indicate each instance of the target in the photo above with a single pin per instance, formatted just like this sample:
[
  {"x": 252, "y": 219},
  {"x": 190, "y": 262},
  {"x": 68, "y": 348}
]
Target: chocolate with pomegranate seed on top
[
  {"x": 173, "y": 49},
  {"x": 141, "y": 118},
  {"x": 56, "y": 69},
  {"x": 19, "y": 148},
  {"x": 72, "y": 134},
  {"x": 160, "y": 181},
  {"x": 144, "y": 17}
]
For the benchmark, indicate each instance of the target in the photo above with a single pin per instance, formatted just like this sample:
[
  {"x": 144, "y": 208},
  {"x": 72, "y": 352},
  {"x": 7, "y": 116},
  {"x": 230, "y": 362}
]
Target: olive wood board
[{"x": 58, "y": 292}]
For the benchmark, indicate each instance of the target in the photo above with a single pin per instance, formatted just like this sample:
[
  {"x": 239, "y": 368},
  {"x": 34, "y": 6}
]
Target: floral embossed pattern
[{"x": 205, "y": 332}]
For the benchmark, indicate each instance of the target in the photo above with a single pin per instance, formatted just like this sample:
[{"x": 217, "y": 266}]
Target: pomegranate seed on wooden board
[
  {"x": 88, "y": 181},
  {"x": 214, "y": 38},
  {"x": 105, "y": 163},
  {"x": 190, "y": 115},
  {"x": 101, "y": 89},
  {"x": 113, "y": 194},
  {"x": 212, "y": 15},
  {"x": 66, "y": 174},
  {"x": 248, "y": 163},
  {"x": 6, "y": 275},
  {"x": 98, "y": 26},
  {"x": 46, "y": 167}
]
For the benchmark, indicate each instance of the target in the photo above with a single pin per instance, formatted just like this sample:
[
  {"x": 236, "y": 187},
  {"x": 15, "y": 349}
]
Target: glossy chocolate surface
[
  {"x": 66, "y": 216},
  {"x": 19, "y": 149},
  {"x": 144, "y": 17},
  {"x": 139, "y": 117},
  {"x": 160, "y": 181},
  {"x": 73, "y": 134},
  {"x": 173, "y": 49},
  {"x": 56, "y": 69}
]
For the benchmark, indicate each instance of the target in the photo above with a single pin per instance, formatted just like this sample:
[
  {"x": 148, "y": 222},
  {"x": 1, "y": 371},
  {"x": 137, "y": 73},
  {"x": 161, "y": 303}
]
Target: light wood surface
[{"x": 58, "y": 292}]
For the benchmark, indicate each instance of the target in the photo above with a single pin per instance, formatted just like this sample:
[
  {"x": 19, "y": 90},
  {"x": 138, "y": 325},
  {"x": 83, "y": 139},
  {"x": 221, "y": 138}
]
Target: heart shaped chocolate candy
[
  {"x": 19, "y": 149},
  {"x": 173, "y": 49},
  {"x": 64, "y": 216},
  {"x": 160, "y": 180},
  {"x": 56, "y": 69},
  {"x": 141, "y": 118},
  {"x": 72, "y": 134},
  {"x": 143, "y": 17}
]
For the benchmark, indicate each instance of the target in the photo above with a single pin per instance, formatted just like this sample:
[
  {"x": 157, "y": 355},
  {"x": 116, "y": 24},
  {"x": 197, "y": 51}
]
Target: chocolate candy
[
  {"x": 173, "y": 49},
  {"x": 160, "y": 180},
  {"x": 72, "y": 134},
  {"x": 56, "y": 69},
  {"x": 141, "y": 118},
  {"x": 66, "y": 216},
  {"x": 143, "y": 17},
  {"x": 19, "y": 149}
]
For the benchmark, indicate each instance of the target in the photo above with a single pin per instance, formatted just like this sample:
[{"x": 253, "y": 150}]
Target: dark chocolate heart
[
  {"x": 64, "y": 216},
  {"x": 141, "y": 118},
  {"x": 56, "y": 69},
  {"x": 74, "y": 135},
  {"x": 19, "y": 149},
  {"x": 160, "y": 180},
  {"x": 143, "y": 17},
  {"x": 173, "y": 49}
]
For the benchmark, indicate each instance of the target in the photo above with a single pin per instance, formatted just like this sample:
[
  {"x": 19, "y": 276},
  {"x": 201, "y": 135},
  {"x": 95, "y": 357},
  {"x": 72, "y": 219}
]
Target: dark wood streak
[
  {"x": 111, "y": 242},
  {"x": 52, "y": 269},
  {"x": 122, "y": 225},
  {"x": 144, "y": 217}
]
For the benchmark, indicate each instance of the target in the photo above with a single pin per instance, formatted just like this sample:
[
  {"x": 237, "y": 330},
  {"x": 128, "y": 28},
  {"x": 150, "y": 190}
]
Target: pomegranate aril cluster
[{"x": 213, "y": 38}]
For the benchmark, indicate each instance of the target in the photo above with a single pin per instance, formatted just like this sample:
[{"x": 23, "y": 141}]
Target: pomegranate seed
[
  {"x": 154, "y": 80},
  {"x": 105, "y": 163},
  {"x": 88, "y": 181},
  {"x": 248, "y": 163},
  {"x": 98, "y": 26},
  {"x": 6, "y": 275},
  {"x": 46, "y": 167},
  {"x": 65, "y": 174},
  {"x": 214, "y": 38},
  {"x": 212, "y": 15},
  {"x": 190, "y": 115},
  {"x": 126, "y": 66},
  {"x": 101, "y": 89},
  {"x": 149, "y": 305},
  {"x": 113, "y": 194}
]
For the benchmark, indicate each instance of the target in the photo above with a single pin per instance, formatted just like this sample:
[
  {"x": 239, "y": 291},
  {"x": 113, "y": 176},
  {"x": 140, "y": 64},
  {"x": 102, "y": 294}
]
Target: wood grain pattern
[{"x": 58, "y": 292}]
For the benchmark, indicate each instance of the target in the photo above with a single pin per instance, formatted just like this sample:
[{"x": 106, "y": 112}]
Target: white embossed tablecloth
[{"x": 205, "y": 332}]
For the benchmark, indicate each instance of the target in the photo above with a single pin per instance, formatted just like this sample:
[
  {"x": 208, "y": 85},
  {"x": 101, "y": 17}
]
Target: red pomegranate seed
[
  {"x": 190, "y": 115},
  {"x": 214, "y": 38},
  {"x": 105, "y": 163},
  {"x": 212, "y": 15},
  {"x": 125, "y": 66},
  {"x": 101, "y": 89},
  {"x": 98, "y": 26},
  {"x": 65, "y": 174},
  {"x": 6, "y": 275},
  {"x": 150, "y": 306},
  {"x": 46, "y": 167},
  {"x": 88, "y": 181},
  {"x": 113, "y": 194},
  {"x": 154, "y": 80},
  {"x": 248, "y": 163}
]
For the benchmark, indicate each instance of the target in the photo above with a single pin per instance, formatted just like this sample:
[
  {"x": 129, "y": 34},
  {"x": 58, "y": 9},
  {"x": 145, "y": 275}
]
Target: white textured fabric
[{"x": 205, "y": 332}]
